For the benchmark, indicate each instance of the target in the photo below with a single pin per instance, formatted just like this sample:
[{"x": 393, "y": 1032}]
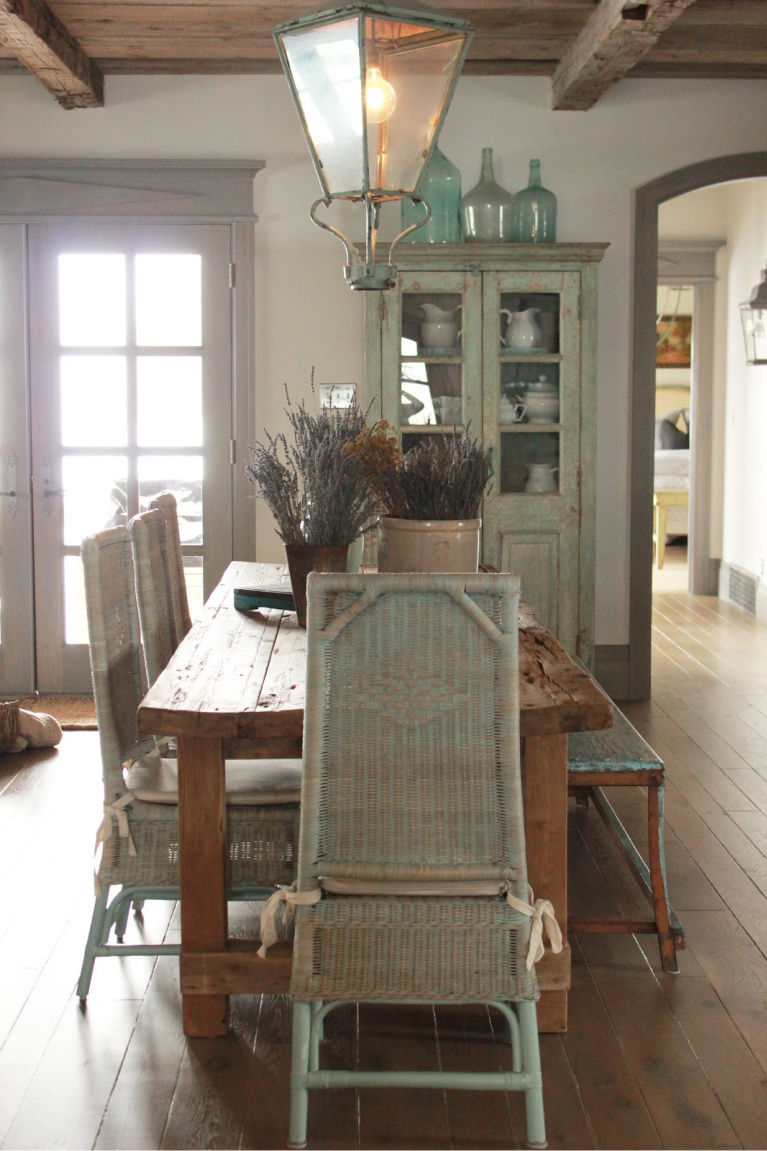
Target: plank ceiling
[{"x": 583, "y": 45}]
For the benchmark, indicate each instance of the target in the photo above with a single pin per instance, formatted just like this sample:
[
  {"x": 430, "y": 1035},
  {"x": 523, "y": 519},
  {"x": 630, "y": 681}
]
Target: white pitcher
[
  {"x": 542, "y": 478},
  {"x": 439, "y": 328},
  {"x": 523, "y": 331}
]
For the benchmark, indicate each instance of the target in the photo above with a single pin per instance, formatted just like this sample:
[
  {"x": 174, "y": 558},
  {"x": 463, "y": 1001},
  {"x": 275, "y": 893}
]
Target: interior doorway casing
[{"x": 647, "y": 199}]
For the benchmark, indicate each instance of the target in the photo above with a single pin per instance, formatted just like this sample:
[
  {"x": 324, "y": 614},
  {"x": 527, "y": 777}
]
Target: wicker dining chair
[
  {"x": 412, "y": 878},
  {"x": 182, "y": 620},
  {"x": 151, "y": 563},
  {"x": 138, "y": 836}
]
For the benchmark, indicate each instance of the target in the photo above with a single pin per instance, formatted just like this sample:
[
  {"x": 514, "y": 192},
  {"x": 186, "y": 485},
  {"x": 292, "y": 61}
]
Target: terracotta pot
[
  {"x": 305, "y": 558},
  {"x": 428, "y": 545}
]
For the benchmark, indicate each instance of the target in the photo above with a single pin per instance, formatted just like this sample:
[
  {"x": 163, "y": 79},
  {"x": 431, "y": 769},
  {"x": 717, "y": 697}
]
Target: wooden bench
[{"x": 620, "y": 757}]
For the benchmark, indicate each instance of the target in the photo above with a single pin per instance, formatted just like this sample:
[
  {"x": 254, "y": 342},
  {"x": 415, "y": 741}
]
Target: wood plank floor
[{"x": 649, "y": 1060}]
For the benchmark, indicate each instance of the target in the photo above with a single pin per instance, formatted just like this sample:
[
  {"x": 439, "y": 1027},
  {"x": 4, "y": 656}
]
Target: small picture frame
[{"x": 674, "y": 342}]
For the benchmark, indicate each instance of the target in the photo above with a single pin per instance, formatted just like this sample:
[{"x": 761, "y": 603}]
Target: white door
[{"x": 130, "y": 369}]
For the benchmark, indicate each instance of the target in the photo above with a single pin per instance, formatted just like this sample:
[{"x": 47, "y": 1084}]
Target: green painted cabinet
[{"x": 501, "y": 339}]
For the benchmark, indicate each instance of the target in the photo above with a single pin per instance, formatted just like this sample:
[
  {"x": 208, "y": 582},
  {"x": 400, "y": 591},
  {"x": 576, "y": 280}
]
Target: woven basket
[{"x": 9, "y": 725}]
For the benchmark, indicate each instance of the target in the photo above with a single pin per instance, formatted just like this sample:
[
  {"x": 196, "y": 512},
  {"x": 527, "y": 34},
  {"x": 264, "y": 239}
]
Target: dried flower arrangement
[
  {"x": 441, "y": 478},
  {"x": 318, "y": 490}
]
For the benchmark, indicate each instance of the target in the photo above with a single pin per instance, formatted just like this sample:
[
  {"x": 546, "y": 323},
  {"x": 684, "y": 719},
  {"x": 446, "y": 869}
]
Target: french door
[{"x": 130, "y": 393}]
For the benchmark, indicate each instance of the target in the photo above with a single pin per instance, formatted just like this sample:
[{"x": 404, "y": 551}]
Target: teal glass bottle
[
  {"x": 535, "y": 211},
  {"x": 441, "y": 188},
  {"x": 486, "y": 211}
]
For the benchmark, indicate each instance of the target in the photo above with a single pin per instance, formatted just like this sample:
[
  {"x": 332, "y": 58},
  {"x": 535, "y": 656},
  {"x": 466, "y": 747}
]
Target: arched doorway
[{"x": 646, "y": 201}]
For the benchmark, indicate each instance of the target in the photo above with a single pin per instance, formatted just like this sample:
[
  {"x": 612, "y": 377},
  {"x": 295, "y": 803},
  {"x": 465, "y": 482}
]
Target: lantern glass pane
[
  {"x": 760, "y": 333},
  {"x": 325, "y": 67},
  {"x": 417, "y": 64}
]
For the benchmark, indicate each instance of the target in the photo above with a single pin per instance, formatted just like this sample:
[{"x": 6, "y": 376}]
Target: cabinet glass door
[
  {"x": 434, "y": 333},
  {"x": 531, "y": 403}
]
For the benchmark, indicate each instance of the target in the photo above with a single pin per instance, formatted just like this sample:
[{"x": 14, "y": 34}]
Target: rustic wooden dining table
[{"x": 235, "y": 688}]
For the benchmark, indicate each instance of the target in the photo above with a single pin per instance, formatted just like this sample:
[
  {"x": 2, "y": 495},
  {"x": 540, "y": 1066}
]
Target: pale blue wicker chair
[
  {"x": 151, "y": 562},
  {"x": 412, "y": 879},
  {"x": 166, "y": 503},
  {"x": 138, "y": 837}
]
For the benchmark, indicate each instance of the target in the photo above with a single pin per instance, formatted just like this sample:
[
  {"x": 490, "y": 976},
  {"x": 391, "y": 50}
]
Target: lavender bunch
[
  {"x": 318, "y": 491},
  {"x": 441, "y": 478}
]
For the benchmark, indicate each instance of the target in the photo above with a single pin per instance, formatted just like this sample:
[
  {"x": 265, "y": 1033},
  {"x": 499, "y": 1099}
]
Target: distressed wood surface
[
  {"x": 616, "y": 37},
  {"x": 241, "y": 675},
  {"x": 586, "y": 45},
  {"x": 38, "y": 38}
]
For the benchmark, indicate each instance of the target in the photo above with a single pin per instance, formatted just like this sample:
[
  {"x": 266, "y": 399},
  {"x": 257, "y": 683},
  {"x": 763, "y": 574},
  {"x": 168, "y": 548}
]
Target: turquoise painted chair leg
[
  {"x": 121, "y": 921},
  {"x": 98, "y": 919},
  {"x": 299, "y": 1095},
  {"x": 531, "y": 1063},
  {"x": 319, "y": 1027}
]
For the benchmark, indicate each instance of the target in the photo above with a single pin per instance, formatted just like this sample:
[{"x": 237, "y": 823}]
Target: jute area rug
[{"x": 74, "y": 712}]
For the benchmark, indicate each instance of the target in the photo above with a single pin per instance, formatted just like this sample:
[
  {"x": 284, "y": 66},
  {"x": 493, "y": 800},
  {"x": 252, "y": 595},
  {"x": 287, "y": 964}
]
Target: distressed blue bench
[{"x": 620, "y": 757}]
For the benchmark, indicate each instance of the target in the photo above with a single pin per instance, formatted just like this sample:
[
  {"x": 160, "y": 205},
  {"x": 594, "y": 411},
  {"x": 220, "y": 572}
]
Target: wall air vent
[{"x": 742, "y": 590}]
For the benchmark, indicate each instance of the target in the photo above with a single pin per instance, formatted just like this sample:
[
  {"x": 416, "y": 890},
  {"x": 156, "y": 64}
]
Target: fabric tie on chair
[
  {"x": 543, "y": 916},
  {"x": 292, "y": 899}
]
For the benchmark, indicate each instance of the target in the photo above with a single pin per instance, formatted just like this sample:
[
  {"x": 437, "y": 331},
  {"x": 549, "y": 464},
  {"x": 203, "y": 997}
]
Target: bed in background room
[{"x": 672, "y": 479}]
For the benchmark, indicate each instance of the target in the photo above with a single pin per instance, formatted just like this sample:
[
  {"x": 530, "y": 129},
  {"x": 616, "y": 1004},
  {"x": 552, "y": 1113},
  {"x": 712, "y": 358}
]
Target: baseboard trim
[{"x": 611, "y": 669}]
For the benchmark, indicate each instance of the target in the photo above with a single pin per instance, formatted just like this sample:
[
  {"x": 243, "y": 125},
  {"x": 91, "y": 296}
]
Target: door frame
[
  {"x": 722, "y": 169},
  {"x": 138, "y": 192}
]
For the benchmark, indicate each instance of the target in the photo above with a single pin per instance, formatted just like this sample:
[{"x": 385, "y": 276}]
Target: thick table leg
[
  {"x": 202, "y": 843},
  {"x": 544, "y": 782}
]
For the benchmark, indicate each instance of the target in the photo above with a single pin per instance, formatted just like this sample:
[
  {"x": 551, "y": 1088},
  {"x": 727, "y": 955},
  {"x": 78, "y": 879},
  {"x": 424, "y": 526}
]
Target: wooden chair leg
[{"x": 666, "y": 939}]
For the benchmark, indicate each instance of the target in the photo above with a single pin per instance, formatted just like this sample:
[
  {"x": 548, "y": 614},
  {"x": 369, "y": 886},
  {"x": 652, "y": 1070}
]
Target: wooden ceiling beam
[
  {"x": 46, "y": 47},
  {"x": 616, "y": 36}
]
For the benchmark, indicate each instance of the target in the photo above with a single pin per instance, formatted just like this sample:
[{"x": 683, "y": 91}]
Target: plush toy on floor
[{"x": 20, "y": 729}]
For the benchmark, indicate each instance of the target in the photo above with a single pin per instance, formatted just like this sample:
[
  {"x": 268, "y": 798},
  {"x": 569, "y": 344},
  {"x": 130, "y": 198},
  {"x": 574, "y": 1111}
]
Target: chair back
[
  {"x": 411, "y": 734},
  {"x": 182, "y": 620},
  {"x": 153, "y": 588},
  {"x": 117, "y": 661}
]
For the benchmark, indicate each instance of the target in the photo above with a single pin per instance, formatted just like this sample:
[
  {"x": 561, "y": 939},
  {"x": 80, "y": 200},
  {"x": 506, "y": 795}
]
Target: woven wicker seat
[
  {"x": 165, "y": 502},
  {"x": 139, "y": 832},
  {"x": 412, "y": 879}
]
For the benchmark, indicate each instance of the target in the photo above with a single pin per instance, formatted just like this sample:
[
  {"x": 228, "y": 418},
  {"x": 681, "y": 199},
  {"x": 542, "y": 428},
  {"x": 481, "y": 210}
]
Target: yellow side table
[{"x": 662, "y": 501}]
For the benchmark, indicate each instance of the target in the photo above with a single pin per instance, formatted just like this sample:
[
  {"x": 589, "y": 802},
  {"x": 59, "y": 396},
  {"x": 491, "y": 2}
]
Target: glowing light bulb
[{"x": 380, "y": 97}]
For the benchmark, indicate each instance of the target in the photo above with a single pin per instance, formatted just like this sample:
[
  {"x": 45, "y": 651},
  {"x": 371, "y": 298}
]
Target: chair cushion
[{"x": 248, "y": 781}]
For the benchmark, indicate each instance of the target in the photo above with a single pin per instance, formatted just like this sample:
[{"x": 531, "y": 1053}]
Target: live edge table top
[{"x": 242, "y": 675}]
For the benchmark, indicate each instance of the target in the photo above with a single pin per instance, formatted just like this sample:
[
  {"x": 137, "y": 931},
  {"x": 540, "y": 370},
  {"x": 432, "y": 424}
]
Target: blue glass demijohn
[
  {"x": 441, "y": 189},
  {"x": 535, "y": 211}
]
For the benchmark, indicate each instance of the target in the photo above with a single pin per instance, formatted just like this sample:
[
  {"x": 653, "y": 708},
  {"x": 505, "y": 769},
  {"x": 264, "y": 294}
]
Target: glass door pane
[{"x": 131, "y": 343}]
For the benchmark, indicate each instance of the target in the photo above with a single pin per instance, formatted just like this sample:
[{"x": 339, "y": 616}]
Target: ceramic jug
[
  {"x": 541, "y": 478},
  {"x": 439, "y": 329},
  {"x": 523, "y": 332}
]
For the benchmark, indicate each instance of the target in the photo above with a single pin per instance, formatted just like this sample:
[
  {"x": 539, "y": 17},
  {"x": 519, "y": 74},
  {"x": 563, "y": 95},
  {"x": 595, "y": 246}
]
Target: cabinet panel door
[
  {"x": 534, "y": 556},
  {"x": 531, "y": 406}
]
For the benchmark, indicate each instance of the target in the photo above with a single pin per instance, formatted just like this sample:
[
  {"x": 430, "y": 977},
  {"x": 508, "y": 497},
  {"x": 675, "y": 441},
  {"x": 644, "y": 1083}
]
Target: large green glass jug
[{"x": 441, "y": 188}]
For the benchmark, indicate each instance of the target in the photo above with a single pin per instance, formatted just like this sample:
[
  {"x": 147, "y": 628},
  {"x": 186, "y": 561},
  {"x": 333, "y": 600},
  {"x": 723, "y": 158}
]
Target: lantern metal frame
[
  {"x": 365, "y": 273},
  {"x": 757, "y": 302}
]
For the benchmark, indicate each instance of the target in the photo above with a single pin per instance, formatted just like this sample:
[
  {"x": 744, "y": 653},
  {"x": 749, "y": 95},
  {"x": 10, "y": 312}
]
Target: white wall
[
  {"x": 745, "y": 492},
  {"x": 593, "y": 160}
]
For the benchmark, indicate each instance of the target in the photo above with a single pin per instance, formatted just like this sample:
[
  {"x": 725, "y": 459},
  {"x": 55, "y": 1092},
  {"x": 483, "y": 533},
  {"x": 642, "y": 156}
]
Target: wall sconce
[
  {"x": 372, "y": 84},
  {"x": 753, "y": 315}
]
